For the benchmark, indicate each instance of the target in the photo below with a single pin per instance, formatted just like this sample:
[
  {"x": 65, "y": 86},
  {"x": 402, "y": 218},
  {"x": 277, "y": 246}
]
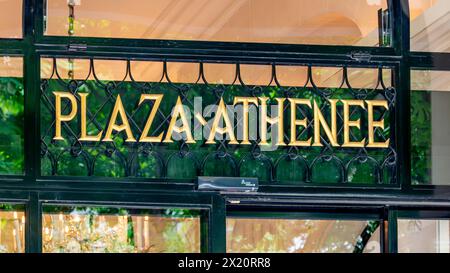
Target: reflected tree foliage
[
  {"x": 11, "y": 131},
  {"x": 421, "y": 137}
]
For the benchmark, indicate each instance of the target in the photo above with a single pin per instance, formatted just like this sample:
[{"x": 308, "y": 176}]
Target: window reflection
[
  {"x": 430, "y": 153},
  {"x": 11, "y": 18},
  {"x": 12, "y": 228},
  {"x": 95, "y": 229},
  {"x": 11, "y": 115},
  {"x": 331, "y": 22},
  {"x": 423, "y": 236},
  {"x": 302, "y": 236},
  {"x": 430, "y": 25}
]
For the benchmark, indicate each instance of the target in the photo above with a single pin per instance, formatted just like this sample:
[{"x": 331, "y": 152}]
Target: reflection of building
[
  {"x": 429, "y": 26},
  {"x": 291, "y": 21},
  {"x": 99, "y": 196}
]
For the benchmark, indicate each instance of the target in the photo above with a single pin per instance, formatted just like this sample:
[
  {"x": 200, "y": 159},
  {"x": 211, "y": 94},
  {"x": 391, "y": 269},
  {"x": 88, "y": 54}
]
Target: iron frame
[{"x": 33, "y": 190}]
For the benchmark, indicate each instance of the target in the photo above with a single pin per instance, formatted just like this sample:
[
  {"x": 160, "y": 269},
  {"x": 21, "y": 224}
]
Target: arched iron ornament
[{"x": 383, "y": 162}]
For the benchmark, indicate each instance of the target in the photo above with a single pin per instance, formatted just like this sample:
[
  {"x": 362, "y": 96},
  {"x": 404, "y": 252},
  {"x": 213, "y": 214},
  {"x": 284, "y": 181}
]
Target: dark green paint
[{"x": 32, "y": 189}]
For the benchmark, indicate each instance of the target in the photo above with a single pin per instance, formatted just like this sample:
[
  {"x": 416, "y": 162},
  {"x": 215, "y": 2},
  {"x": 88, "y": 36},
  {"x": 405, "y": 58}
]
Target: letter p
[{"x": 59, "y": 117}]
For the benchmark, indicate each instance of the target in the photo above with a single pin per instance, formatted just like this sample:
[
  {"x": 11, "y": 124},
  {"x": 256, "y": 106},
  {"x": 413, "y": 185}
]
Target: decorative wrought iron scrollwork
[{"x": 184, "y": 161}]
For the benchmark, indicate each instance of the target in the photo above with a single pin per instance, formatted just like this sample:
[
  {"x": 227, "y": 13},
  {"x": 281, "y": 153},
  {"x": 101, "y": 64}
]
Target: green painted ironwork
[
  {"x": 32, "y": 190},
  {"x": 182, "y": 161}
]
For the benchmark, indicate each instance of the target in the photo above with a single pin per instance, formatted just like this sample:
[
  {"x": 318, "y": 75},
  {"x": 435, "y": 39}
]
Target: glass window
[
  {"x": 430, "y": 148},
  {"x": 11, "y": 115},
  {"x": 423, "y": 236},
  {"x": 329, "y": 22},
  {"x": 12, "y": 228},
  {"x": 302, "y": 236},
  {"x": 11, "y": 19},
  {"x": 430, "y": 25},
  {"x": 100, "y": 229}
]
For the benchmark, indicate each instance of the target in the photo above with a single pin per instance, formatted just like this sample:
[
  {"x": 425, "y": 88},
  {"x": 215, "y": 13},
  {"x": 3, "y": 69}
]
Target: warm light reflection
[
  {"x": 335, "y": 22},
  {"x": 11, "y": 18},
  {"x": 430, "y": 25},
  {"x": 12, "y": 231},
  {"x": 109, "y": 230},
  {"x": 430, "y": 80},
  {"x": 423, "y": 236},
  {"x": 151, "y": 71},
  {"x": 298, "y": 236}
]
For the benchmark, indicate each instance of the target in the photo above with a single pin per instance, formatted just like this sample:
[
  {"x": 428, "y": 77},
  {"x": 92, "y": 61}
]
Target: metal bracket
[
  {"x": 360, "y": 56},
  {"x": 384, "y": 28},
  {"x": 77, "y": 47}
]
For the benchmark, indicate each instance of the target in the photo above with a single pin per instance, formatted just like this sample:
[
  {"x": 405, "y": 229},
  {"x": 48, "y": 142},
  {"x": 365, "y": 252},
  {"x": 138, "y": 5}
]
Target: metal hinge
[
  {"x": 384, "y": 28},
  {"x": 361, "y": 56},
  {"x": 77, "y": 47}
]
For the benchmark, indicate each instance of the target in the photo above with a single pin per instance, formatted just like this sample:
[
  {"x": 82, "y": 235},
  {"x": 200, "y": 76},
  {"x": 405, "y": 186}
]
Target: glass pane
[
  {"x": 423, "y": 236},
  {"x": 302, "y": 236},
  {"x": 329, "y": 22},
  {"x": 11, "y": 115},
  {"x": 12, "y": 228},
  {"x": 11, "y": 19},
  {"x": 169, "y": 155},
  {"x": 99, "y": 229},
  {"x": 430, "y": 25},
  {"x": 430, "y": 153}
]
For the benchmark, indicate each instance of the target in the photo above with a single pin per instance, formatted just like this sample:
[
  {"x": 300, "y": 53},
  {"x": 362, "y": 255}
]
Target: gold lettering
[
  {"x": 373, "y": 124},
  {"x": 295, "y": 122},
  {"x": 59, "y": 116},
  {"x": 144, "y": 136},
  {"x": 178, "y": 110},
  {"x": 276, "y": 120},
  {"x": 351, "y": 123},
  {"x": 319, "y": 121},
  {"x": 119, "y": 110},
  {"x": 320, "y": 124},
  {"x": 245, "y": 109},
  {"x": 228, "y": 129},
  {"x": 84, "y": 136}
]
